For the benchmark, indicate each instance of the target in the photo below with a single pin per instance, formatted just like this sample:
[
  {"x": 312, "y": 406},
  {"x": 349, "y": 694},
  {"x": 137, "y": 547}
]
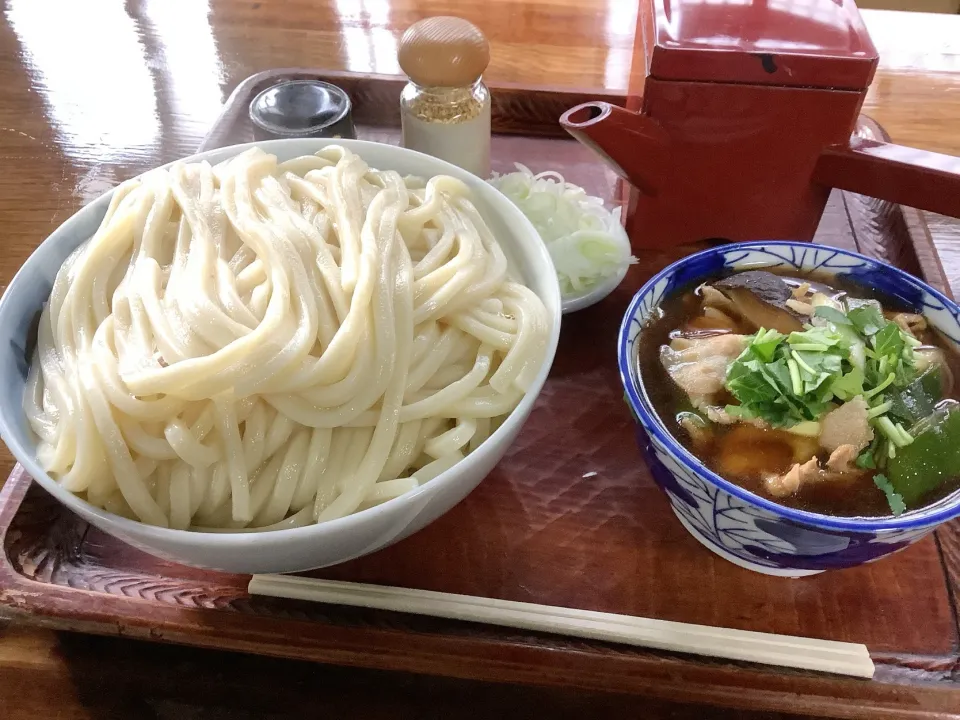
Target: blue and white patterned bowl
[{"x": 741, "y": 527}]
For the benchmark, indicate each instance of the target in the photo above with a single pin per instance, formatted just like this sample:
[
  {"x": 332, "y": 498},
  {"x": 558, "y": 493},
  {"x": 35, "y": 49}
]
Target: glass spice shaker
[{"x": 445, "y": 108}]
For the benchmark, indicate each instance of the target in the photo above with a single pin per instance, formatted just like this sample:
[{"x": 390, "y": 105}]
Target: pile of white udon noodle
[{"x": 262, "y": 346}]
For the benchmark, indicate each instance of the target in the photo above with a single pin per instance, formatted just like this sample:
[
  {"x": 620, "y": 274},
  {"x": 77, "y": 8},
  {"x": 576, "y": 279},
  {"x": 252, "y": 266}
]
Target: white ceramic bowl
[
  {"x": 749, "y": 530},
  {"x": 300, "y": 548},
  {"x": 573, "y": 303}
]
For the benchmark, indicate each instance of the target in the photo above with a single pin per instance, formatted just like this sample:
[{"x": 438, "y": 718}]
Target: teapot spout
[{"x": 631, "y": 143}]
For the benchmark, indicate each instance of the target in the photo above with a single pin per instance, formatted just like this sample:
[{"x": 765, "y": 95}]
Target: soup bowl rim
[{"x": 941, "y": 511}]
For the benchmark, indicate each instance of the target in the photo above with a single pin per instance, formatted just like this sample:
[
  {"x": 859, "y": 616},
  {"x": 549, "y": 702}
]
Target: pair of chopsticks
[{"x": 783, "y": 650}]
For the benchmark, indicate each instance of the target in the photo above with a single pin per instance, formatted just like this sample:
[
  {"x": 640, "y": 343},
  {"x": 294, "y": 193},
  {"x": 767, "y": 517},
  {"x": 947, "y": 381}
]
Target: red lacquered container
[{"x": 745, "y": 124}]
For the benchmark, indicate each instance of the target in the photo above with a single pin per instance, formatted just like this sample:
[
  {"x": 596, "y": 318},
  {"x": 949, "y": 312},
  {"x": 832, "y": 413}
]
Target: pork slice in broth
[
  {"x": 843, "y": 459},
  {"x": 839, "y": 468},
  {"x": 699, "y": 365},
  {"x": 849, "y": 424},
  {"x": 792, "y": 480}
]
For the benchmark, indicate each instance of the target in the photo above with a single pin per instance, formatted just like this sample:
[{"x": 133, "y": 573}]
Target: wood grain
[
  {"x": 165, "y": 683},
  {"x": 76, "y": 119}
]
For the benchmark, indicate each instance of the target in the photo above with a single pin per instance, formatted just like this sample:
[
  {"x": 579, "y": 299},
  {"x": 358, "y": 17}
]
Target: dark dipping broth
[{"x": 745, "y": 454}]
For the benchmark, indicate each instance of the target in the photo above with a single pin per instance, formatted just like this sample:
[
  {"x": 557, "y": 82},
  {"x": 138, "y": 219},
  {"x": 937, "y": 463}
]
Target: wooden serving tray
[{"x": 570, "y": 517}]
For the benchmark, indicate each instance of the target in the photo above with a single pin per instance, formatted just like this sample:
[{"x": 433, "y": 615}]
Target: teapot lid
[{"x": 808, "y": 43}]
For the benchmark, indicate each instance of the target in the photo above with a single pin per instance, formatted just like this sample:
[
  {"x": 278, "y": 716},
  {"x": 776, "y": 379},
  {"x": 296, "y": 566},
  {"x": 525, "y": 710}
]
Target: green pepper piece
[
  {"x": 918, "y": 399},
  {"x": 931, "y": 460}
]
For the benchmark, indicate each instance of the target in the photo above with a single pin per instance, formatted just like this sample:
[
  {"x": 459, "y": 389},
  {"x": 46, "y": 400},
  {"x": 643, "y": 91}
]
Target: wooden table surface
[{"x": 92, "y": 93}]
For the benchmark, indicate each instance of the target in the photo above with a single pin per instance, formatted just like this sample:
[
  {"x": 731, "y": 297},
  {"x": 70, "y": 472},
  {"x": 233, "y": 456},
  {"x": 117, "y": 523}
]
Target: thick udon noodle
[{"x": 262, "y": 346}]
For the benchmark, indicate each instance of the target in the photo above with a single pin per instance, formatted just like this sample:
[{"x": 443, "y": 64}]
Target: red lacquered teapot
[{"x": 746, "y": 123}]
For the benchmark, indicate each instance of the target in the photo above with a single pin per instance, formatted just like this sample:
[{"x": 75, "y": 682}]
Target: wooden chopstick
[{"x": 783, "y": 650}]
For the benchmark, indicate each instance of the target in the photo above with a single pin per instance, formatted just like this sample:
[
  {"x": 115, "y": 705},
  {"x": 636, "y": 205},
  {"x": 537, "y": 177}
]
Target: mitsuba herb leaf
[
  {"x": 787, "y": 380},
  {"x": 889, "y": 341},
  {"x": 848, "y": 385},
  {"x": 831, "y": 314},
  {"x": 738, "y": 411},
  {"x": 778, "y": 372},
  {"x": 816, "y": 368},
  {"x": 750, "y": 386},
  {"x": 816, "y": 336},
  {"x": 867, "y": 319},
  {"x": 894, "y": 500},
  {"x": 891, "y": 359},
  {"x": 765, "y": 344}
]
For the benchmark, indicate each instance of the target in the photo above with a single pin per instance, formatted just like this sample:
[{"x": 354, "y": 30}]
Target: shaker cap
[
  {"x": 443, "y": 51},
  {"x": 808, "y": 43}
]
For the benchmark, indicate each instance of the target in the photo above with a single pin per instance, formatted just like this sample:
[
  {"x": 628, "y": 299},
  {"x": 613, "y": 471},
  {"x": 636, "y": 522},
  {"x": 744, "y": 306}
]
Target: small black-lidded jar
[{"x": 302, "y": 109}]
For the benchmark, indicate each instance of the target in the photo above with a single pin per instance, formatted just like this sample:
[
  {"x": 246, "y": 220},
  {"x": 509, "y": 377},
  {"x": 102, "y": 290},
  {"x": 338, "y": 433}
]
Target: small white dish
[{"x": 572, "y": 303}]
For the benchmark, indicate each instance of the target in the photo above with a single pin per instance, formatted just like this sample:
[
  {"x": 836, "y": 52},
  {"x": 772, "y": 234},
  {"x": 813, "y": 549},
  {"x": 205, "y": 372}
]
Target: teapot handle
[{"x": 904, "y": 175}]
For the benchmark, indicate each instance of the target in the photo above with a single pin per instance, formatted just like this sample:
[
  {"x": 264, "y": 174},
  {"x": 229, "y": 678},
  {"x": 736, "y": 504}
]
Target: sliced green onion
[
  {"x": 882, "y": 386},
  {"x": 586, "y": 242},
  {"x": 905, "y": 437},
  {"x": 885, "y": 425},
  {"x": 883, "y": 365},
  {"x": 897, "y": 436},
  {"x": 795, "y": 377},
  {"x": 765, "y": 334},
  {"x": 858, "y": 356},
  {"x": 879, "y": 410},
  {"x": 804, "y": 365}
]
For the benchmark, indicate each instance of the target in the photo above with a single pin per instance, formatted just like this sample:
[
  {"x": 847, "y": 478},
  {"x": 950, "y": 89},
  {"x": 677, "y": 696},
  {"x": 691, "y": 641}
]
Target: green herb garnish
[
  {"x": 867, "y": 319},
  {"x": 889, "y": 341},
  {"x": 831, "y": 314},
  {"x": 894, "y": 500},
  {"x": 764, "y": 344},
  {"x": 786, "y": 380},
  {"x": 821, "y": 337},
  {"x": 791, "y": 381},
  {"x": 849, "y": 385}
]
